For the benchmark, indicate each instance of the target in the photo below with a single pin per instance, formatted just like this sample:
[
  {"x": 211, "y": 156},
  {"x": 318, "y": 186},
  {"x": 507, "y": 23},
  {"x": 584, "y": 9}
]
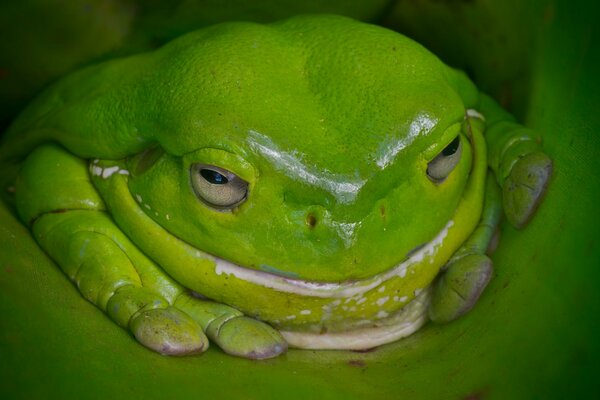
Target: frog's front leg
[
  {"x": 468, "y": 272},
  {"x": 515, "y": 155},
  {"x": 55, "y": 197},
  {"x": 89, "y": 250}
]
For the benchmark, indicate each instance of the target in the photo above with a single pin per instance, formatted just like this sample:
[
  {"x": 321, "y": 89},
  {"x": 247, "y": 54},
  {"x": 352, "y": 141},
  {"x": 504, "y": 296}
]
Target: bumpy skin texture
[{"x": 336, "y": 128}]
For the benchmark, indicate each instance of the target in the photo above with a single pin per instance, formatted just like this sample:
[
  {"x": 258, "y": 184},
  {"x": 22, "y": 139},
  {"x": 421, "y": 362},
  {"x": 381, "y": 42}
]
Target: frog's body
[{"x": 315, "y": 174}]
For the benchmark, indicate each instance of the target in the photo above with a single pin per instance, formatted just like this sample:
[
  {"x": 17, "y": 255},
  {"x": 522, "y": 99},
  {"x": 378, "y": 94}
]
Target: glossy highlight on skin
[
  {"x": 422, "y": 124},
  {"x": 343, "y": 188}
]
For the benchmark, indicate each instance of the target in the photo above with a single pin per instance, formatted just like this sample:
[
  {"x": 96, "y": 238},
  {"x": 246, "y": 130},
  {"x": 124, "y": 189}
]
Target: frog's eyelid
[
  {"x": 447, "y": 159},
  {"x": 227, "y": 161},
  {"x": 447, "y": 137}
]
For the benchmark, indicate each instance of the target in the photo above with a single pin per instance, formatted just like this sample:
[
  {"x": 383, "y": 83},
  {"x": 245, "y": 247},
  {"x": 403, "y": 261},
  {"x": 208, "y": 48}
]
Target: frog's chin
[
  {"x": 351, "y": 334},
  {"x": 367, "y": 335}
]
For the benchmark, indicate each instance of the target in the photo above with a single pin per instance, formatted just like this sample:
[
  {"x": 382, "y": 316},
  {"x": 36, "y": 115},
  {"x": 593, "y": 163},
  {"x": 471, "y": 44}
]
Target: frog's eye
[
  {"x": 218, "y": 187},
  {"x": 440, "y": 167}
]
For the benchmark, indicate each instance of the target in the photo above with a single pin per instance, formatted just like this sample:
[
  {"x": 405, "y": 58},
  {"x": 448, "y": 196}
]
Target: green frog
[{"x": 317, "y": 182}]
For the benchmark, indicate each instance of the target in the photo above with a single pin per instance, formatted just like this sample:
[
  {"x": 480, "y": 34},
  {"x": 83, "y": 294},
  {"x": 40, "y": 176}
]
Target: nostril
[
  {"x": 311, "y": 220},
  {"x": 383, "y": 213}
]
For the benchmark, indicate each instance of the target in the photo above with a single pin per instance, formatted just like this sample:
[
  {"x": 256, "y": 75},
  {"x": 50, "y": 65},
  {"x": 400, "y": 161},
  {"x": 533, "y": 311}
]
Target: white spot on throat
[{"x": 382, "y": 301}]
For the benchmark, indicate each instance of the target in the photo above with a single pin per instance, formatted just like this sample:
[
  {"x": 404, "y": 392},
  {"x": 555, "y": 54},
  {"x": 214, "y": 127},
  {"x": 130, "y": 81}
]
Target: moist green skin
[{"x": 331, "y": 122}]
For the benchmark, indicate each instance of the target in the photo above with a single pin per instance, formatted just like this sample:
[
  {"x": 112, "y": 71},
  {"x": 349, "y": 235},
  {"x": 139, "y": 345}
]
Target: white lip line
[{"x": 329, "y": 289}]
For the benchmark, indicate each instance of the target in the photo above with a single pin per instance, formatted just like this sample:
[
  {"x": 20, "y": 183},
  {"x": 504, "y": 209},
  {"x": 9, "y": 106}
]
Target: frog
[{"x": 316, "y": 183}]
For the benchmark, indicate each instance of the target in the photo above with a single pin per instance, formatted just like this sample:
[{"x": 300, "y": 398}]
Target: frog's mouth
[{"x": 332, "y": 289}]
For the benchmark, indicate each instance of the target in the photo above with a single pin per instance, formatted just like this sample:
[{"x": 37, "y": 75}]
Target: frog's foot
[
  {"x": 525, "y": 186},
  {"x": 168, "y": 331},
  {"x": 171, "y": 331},
  {"x": 154, "y": 323},
  {"x": 182, "y": 328},
  {"x": 246, "y": 337},
  {"x": 459, "y": 287},
  {"x": 468, "y": 272},
  {"x": 233, "y": 332}
]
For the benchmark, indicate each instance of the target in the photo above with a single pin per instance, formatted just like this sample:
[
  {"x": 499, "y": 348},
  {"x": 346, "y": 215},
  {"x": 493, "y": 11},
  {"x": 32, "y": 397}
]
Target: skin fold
[{"x": 317, "y": 182}]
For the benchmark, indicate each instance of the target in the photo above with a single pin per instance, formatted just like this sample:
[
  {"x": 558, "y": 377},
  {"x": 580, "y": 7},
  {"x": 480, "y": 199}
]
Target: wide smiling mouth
[{"x": 344, "y": 289}]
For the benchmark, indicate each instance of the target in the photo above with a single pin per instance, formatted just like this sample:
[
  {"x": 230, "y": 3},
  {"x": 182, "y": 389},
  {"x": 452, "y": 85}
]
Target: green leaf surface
[{"x": 535, "y": 333}]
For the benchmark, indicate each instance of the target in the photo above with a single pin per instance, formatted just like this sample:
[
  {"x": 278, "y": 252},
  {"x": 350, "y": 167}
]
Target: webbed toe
[
  {"x": 525, "y": 186},
  {"x": 169, "y": 331},
  {"x": 246, "y": 337},
  {"x": 459, "y": 287}
]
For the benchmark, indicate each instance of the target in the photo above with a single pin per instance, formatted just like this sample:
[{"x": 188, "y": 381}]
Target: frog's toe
[
  {"x": 169, "y": 331},
  {"x": 246, "y": 337},
  {"x": 525, "y": 187},
  {"x": 459, "y": 288}
]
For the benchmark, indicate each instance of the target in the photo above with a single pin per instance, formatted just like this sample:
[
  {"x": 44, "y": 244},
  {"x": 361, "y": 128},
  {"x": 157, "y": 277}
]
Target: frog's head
[{"x": 312, "y": 153}]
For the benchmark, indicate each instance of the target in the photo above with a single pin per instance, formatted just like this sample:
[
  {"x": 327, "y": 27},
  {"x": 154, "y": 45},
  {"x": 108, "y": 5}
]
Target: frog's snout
[{"x": 321, "y": 226}]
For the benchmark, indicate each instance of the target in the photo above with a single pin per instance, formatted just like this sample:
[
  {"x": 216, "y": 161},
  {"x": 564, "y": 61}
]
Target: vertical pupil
[{"x": 213, "y": 176}]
